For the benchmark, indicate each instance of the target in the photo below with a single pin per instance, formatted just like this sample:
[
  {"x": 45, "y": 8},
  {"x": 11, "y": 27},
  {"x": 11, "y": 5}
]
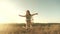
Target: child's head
[{"x": 27, "y": 12}]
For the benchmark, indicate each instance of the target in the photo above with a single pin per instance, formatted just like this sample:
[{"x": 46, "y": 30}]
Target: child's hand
[
  {"x": 36, "y": 13},
  {"x": 19, "y": 15}
]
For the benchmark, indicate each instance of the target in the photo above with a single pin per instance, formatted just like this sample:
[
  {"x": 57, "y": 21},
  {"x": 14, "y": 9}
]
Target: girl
[{"x": 28, "y": 18}]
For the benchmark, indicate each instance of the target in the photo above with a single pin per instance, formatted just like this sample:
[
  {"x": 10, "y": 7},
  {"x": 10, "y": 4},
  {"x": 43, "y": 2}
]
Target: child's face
[{"x": 28, "y": 12}]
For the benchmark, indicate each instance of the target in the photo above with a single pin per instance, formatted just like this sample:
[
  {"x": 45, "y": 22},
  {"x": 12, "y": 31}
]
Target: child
[{"x": 28, "y": 18}]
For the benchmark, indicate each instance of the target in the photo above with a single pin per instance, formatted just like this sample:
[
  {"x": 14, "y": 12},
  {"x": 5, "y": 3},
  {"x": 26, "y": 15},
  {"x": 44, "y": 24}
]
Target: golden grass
[{"x": 38, "y": 28}]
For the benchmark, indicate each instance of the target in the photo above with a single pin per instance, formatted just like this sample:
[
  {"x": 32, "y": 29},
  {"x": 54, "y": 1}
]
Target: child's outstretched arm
[
  {"x": 34, "y": 14},
  {"x": 21, "y": 15}
]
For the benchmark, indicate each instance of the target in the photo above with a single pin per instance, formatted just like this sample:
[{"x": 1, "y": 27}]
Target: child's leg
[
  {"x": 28, "y": 24},
  {"x": 31, "y": 25}
]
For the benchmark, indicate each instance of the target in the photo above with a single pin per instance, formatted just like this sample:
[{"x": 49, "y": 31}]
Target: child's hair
[{"x": 28, "y": 12}]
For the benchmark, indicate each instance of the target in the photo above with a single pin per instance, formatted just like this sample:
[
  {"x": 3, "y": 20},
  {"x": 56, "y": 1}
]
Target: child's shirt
[{"x": 28, "y": 17}]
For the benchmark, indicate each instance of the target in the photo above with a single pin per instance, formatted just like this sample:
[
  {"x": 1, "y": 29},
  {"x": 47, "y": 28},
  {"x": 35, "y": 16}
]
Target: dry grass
[{"x": 38, "y": 28}]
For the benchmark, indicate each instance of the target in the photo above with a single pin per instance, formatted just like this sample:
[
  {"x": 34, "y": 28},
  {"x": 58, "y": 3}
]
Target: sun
[
  {"x": 9, "y": 13},
  {"x": 6, "y": 12}
]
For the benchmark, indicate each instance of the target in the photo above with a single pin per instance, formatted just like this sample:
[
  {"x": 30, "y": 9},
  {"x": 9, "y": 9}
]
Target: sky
[{"x": 48, "y": 11}]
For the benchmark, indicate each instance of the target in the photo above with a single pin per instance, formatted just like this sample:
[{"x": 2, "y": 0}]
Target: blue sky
[{"x": 48, "y": 10}]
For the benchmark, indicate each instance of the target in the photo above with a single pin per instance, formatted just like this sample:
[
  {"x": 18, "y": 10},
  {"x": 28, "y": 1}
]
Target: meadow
[{"x": 38, "y": 28}]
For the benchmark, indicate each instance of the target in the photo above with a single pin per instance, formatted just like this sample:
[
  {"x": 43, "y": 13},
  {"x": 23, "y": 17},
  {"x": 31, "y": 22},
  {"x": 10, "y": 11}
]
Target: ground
[{"x": 38, "y": 28}]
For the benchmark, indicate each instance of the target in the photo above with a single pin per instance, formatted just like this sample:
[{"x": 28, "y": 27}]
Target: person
[{"x": 28, "y": 18}]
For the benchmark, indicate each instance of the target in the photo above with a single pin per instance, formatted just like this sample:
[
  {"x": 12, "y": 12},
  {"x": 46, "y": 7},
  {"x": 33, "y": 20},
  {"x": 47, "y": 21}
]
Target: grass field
[{"x": 38, "y": 28}]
